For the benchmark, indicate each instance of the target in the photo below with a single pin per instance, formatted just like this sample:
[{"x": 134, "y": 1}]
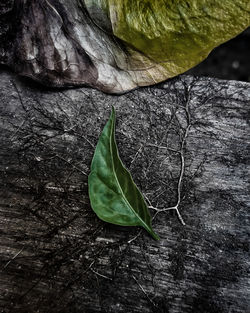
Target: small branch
[
  {"x": 182, "y": 157},
  {"x": 176, "y": 207}
]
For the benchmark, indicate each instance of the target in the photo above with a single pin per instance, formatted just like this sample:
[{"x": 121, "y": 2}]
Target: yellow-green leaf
[{"x": 164, "y": 38}]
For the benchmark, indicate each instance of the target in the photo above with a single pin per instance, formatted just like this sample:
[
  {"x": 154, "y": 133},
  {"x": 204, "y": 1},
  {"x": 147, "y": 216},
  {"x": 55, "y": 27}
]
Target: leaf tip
[
  {"x": 151, "y": 232},
  {"x": 155, "y": 236}
]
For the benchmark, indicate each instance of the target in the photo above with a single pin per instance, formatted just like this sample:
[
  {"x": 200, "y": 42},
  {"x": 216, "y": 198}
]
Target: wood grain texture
[{"x": 56, "y": 256}]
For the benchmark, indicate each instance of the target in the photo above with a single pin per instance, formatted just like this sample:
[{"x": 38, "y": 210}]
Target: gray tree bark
[{"x": 186, "y": 144}]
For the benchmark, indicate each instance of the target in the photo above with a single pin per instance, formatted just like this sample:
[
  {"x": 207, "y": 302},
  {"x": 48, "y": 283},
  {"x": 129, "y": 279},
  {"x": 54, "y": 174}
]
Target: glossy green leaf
[{"x": 113, "y": 194}]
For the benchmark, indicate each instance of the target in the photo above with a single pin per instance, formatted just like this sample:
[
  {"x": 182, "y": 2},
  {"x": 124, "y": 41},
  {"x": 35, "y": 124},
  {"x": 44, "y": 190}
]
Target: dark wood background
[{"x": 56, "y": 256}]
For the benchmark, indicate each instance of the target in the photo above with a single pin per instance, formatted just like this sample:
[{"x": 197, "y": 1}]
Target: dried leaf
[
  {"x": 115, "y": 45},
  {"x": 113, "y": 194}
]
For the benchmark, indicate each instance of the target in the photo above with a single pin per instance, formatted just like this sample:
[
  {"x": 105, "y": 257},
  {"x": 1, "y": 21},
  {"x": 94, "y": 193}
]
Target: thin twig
[
  {"x": 176, "y": 207},
  {"x": 182, "y": 157},
  {"x": 98, "y": 274},
  {"x": 143, "y": 290},
  {"x": 14, "y": 257},
  {"x": 135, "y": 156},
  {"x": 74, "y": 166},
  {"x": 18, "y": 94},
  {"x": 135, "y": 237}
]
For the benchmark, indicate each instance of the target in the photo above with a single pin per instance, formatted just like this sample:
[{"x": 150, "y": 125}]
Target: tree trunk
[{"x": 182, "y": 140}]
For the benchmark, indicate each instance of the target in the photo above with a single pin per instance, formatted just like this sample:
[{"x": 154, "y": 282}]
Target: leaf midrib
[{"x": 116, "y": 178}]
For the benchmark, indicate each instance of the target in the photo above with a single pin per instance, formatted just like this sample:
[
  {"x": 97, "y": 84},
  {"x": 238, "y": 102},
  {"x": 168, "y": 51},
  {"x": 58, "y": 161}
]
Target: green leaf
[{"x": 113, "y": 194}]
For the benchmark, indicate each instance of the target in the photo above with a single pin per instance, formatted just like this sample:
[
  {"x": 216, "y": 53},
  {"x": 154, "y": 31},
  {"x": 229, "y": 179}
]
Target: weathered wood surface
[{"x": 56, "y": 256}]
